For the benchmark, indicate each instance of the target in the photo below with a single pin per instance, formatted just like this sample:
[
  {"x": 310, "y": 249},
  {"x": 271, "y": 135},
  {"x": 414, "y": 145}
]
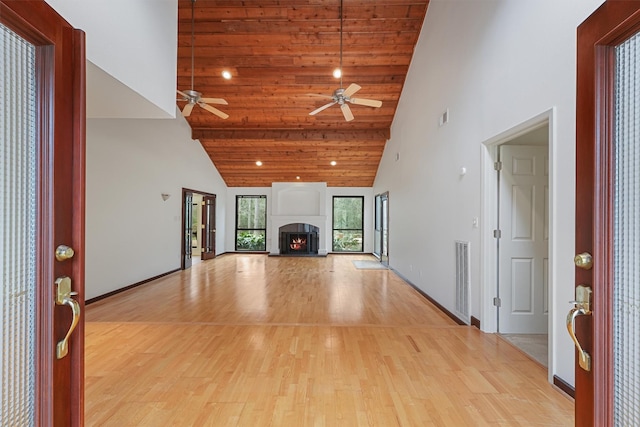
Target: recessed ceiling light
[
  {"x": 258, "y": 163},
  {"x": 226, "y": 74},
  {"x": 337, "y": 73},
  {"x": 297, "y": 177},
  {"x": 333, "y": 163}
]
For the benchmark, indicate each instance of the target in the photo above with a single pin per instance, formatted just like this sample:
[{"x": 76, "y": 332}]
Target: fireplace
[{"x": 299, "y": 239}]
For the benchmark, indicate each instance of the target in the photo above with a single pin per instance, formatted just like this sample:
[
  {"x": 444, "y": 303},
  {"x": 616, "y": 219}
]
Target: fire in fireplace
[
  {"x": 298, "y": 244},
  {"x": 299, "y": 239}
]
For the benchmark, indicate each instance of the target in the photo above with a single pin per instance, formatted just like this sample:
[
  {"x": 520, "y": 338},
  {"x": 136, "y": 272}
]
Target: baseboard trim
[
  {"x": 475, "y": 322},
  {"x": 431, "y": 300},
  {"x": 564, "y": 386},
  {"x": 126, "y": 288}
]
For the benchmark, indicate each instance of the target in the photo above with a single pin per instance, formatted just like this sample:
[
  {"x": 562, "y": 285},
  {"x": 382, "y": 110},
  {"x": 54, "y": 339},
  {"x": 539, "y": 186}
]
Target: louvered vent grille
[{"x": 462, "y": 280}]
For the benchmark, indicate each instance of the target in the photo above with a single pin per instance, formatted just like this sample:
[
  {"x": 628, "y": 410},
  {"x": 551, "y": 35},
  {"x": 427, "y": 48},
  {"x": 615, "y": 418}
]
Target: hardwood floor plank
[{"x": 251, "y": 340}]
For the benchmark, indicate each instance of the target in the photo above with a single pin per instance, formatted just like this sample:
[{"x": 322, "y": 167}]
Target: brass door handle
[
  {"x": 584, "y": 359},
  {"x": 582, "y": 308},
  {"x": 63, "y": 297}
]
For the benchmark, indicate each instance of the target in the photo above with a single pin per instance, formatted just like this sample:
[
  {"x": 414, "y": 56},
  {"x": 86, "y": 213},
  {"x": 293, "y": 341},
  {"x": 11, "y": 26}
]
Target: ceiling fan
[
  {"x": 341, "y": 96},
  {"x": 193, "y": 97}
]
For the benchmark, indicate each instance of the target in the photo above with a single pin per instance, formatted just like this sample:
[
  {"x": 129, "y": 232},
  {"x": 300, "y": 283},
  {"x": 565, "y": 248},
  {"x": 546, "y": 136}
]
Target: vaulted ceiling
[{"x": 278, "y": 52}]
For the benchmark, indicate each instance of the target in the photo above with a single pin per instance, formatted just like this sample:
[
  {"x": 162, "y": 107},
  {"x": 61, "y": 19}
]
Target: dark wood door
[
  {"x": 208, "y": 227},
  {"x": 58, "y": 136},
  {"x": 187, "y": 229},
  {"x": 599, "y": 178}
]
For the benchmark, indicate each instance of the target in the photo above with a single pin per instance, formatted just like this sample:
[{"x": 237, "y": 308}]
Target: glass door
[
  {"x": 42, "y": 159},
  {"x": 605, "y": 319}
]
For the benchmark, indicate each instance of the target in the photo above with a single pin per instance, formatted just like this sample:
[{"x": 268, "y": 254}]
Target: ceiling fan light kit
[
  {"x": 342, "y": 96},
  {"x": 193, "y": 97}
]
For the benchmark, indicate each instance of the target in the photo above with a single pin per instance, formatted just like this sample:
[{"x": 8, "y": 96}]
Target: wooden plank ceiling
[{"x": 278, "y": 51}]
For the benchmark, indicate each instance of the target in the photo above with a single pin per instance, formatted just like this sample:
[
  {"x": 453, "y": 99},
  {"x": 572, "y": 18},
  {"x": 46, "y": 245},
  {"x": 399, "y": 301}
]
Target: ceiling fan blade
[
  {"x": 213, "y": 110},
  {"x": 181, "y": 93},
  {"x": 320, "y": 96},
  {"x": 214, "y": 101},
  {"x": 324, "y": 107},
  {"x": 353, "y": 88},
  {"x": 367, "y": 102},
  {"x": 346, "y": 111},
  {"x": 186, "y": 112}
]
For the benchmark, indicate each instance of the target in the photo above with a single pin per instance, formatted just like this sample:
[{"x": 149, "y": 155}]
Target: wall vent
[{"x": 463, "y": 284}]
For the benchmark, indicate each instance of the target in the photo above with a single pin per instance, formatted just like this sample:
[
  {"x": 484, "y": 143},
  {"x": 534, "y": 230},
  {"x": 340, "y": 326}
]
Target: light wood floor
[{"x": 251, "y": 340}]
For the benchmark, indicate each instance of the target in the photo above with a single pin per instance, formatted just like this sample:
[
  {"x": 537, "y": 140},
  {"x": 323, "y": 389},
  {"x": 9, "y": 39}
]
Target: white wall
[
  {"x": 282, "y": 210},
  {"x": 131, "y": 233},
  {"x": 133, "y": 42},
  {"x": 494, "y": 64}
]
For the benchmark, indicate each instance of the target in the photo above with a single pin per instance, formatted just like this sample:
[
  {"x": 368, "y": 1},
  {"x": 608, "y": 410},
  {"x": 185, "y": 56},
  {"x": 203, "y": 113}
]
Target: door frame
[
  {"x": 185, "y": 191},
  {"x": 489, "y": 209}
]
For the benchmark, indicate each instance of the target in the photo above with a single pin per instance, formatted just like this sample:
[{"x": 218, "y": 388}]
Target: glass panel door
[
  {"x": 377, "y": 230},
  {"x": 384, "y": 254},
  {"x": 626, "y": 291},
  {"x": 18, "y": 158}
]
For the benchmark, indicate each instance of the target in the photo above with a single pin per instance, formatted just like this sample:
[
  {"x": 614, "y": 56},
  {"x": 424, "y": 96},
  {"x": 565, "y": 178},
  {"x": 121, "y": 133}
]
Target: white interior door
[{"x": 524, "y": 241}]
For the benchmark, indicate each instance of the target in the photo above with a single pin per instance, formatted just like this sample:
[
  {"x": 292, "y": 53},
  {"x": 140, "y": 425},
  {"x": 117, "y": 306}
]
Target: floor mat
[{"x": 369, "y": 265}]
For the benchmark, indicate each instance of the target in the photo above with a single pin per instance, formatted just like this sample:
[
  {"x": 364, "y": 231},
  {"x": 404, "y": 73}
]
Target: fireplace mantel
[{"x": 294, "y": 202}]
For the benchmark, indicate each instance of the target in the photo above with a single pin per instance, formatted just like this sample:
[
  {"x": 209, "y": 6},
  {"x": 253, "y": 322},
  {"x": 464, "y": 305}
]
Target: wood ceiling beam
[
  {"x": 292, "y": 135},
  {"x": 300, "y": 11}
]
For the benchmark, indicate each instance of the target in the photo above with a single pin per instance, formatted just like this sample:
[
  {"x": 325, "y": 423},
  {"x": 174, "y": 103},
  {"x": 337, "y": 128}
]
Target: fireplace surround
[{"x": 299, "y": 239}]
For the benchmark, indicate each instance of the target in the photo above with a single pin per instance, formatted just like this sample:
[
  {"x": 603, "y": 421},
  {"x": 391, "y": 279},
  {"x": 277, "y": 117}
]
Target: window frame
[
  {"x": 237, "y": 229},
  {"x": 333, "y": 224}
]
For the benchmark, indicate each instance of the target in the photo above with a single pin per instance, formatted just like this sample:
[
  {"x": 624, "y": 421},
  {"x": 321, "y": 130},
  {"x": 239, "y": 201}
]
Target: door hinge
[
  {"x": 202, "y": 226},
  {"x": 497, "y": 166},
  {"x": 202, "y": 203},
  {"x": 497, "y": 234},
  {"x": 497, "y": 301}
]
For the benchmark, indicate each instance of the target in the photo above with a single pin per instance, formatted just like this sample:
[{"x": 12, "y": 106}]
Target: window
[
  {"x": 251, "y": 223},
  {"x": 348, "y": 212}
]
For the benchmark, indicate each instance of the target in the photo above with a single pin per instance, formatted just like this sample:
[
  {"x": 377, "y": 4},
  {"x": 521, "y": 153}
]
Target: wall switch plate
[{"x": 476, "y": 222}]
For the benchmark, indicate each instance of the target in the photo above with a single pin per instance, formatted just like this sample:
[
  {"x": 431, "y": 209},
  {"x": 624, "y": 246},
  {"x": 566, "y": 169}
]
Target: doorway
[
  {"x": 517, "y": 269},
  {"x": 523, "y": 250},
  {"x": 198, "y": 227}
]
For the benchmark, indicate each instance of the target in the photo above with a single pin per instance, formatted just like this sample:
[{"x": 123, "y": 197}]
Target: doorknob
[
  {"x": 583, "y": 260},
  {"x": 63, "y": 297},
  {"x": 582, "y": 308},
  {"x": 64, "y": 252}
]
